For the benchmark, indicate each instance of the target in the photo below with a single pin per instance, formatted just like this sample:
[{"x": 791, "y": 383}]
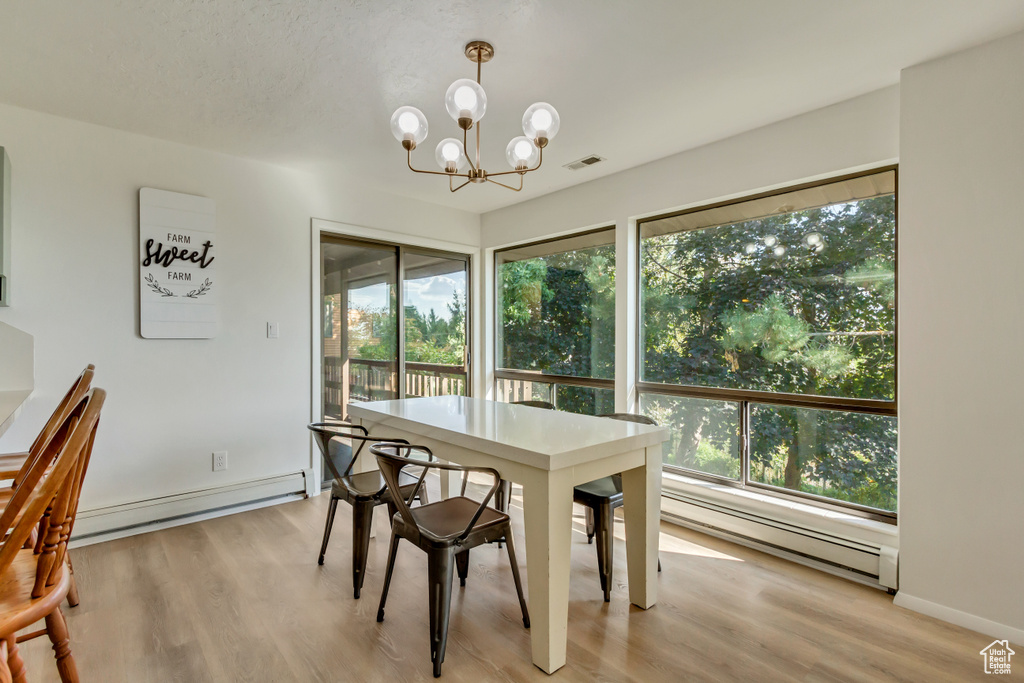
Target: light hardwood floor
[{"x": 241, "y": 598}]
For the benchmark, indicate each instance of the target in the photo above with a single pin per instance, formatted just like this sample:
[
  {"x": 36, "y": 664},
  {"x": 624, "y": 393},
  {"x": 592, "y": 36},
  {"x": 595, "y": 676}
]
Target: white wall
[
  {"x": 961, "y": 245},
  {"x": 172, "y": 402}
]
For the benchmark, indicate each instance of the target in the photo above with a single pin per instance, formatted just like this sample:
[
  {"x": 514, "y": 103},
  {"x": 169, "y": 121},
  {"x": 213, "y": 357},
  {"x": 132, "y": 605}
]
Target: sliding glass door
[{"x": 394, "y": 323}]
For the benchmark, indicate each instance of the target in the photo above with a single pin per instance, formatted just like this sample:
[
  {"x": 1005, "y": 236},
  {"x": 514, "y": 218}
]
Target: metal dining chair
[
  {"x": 363, "y": 491},
  {"x": 446, "y": 530},
  {"x": 601, "y": 497}
]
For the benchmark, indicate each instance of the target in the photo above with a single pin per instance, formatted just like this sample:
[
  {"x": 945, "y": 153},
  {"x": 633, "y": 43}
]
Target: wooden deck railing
[{"x": 375, "y": 380}]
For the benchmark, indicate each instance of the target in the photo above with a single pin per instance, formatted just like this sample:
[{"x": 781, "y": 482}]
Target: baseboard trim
[
  {"x": 853, "y": 558},
  {"x": 118, "y": 521},
  {"x": 955, "y": 616},
  {"x": 774, "y": 550}
]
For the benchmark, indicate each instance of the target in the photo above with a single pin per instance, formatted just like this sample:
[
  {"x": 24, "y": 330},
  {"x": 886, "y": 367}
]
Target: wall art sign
[{"x": 178, "y": 284}]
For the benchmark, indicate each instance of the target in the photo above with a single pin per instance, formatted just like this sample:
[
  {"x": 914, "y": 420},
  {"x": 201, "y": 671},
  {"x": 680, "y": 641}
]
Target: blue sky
[{"x": 426, "y": 294}]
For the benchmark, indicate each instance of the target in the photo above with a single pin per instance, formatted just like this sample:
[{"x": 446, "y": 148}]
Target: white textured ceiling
[{"x": 311, "y": 83}]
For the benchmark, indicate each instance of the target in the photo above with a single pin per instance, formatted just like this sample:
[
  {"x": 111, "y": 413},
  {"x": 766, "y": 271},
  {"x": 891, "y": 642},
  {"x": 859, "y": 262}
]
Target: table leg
[
  {"x": 641, "y": 507},
  {"x": 547, "y": 509},
  {"x": 451, "y": 483}
]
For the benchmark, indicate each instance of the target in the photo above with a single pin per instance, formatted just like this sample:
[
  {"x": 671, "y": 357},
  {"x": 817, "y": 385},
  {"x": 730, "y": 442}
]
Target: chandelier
[{"x": 466, "y": 102}]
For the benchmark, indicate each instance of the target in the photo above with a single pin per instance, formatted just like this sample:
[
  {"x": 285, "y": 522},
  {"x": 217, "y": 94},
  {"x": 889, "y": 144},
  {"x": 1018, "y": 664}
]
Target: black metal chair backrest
[
  {"x": 391, "y": 460},
  {"x": 323, "y": 432},
  {"x": 535, "y": 404},
  {"x": 630, "y": 417}
]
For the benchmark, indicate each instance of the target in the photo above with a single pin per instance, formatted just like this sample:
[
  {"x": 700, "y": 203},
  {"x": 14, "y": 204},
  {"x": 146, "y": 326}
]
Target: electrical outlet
[
  {"x": 272, "y": 331},
  {"x": 220, "y": 461}
]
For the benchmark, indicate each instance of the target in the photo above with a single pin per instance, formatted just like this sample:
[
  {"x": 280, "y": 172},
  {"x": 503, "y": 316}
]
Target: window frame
[
  {"x": 535, "y": 375},
  {"x": 746, "y": 397}
]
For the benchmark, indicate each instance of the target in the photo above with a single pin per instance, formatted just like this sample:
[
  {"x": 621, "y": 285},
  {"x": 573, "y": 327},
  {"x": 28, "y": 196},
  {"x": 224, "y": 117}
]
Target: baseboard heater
[
  {"x": 116, "y": 521},
  {"x": 871, "y": 563}
]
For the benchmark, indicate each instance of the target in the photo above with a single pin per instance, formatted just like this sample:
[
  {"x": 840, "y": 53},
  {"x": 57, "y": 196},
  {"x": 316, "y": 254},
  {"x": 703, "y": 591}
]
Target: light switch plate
[{"x": 272, "y": 331}]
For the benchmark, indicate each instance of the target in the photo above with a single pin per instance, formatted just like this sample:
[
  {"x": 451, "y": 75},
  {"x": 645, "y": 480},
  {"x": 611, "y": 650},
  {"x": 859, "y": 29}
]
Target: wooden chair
[
  {"x": 601, "y": 497},
  {"x": 16, "y": 465},
  {"x": 446, "y": 531},
  {"x": 363, "y": 491},
  {"x": 34, "y": 581}
]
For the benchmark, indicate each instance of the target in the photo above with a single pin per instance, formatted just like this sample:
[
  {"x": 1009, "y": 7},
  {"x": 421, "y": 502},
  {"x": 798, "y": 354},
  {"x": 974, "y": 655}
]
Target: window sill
[{"x": 790, "y": 512}]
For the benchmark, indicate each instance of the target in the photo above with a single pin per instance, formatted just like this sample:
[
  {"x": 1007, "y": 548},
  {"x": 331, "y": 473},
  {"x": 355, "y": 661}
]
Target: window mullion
[
  {"x": 745, "y": 442},
  {"x": 400, "y": 322}
]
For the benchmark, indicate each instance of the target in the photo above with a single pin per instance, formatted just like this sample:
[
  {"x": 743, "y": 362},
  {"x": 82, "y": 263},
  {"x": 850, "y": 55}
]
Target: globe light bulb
[
  {"x": 465, "y": 100},
  {"x": 812, "y": 239},
  {"x": 540, "y": 122},
  {"x": 770, "y": 240},
  {"x": 522, "y": 153},
  {"x": 450, "y": 155},
  {"x": 779, "y": 250},
  {"x": 408, "y": 122},
  {"x": 450, "y": 152},
  {"x": 409, "y": 126},
  {"x": 749, "y": 248},
  {"x": 541, "y": 119}
]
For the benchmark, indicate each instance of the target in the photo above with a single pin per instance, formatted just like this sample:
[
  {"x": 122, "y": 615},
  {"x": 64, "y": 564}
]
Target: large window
[
  {"x": 555, "y": 336},
  {"x": 768, "y": 340}
]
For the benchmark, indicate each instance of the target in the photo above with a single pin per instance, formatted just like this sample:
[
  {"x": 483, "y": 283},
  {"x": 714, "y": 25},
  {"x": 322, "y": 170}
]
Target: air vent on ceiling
[{"x": 588, "y": 160}]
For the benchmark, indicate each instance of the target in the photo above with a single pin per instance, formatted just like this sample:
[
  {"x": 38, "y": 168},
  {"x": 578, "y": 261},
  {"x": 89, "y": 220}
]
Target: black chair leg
[
  {"x": 331, "y": 509},
  {"x": 362, "y": 525},
  {"x": 589, "y": 512},
  {"x": 462, "y": 565},
  {"x": 439, "y": 581},
  {"x": 502, "y": 497},
  {"x": 392, "y": 554},
  {"x": 605, "y": 531},
  {"x": 515, "y": 576}
]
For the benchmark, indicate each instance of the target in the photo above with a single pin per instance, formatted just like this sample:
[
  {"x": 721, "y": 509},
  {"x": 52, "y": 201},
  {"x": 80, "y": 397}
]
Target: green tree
[
  {"x": 558, "y": 317},
  {"x": 763, "y": 305}
]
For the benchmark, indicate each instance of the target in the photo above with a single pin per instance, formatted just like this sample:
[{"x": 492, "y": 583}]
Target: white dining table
[{"x": 547, "y": 452}]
